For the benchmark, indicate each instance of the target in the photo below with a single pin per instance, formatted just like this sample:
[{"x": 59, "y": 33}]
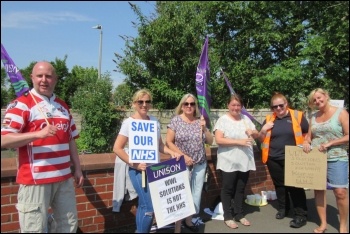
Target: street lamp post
[{"x": 100, "y": 55}]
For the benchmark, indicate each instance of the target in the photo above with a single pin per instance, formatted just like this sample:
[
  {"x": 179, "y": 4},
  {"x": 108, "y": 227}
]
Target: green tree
[
  {"x": 4, "y": 92},
  {"x": 122, "y": 95},
  {"x": 75, "y": 79},
  {"x": 164, "y": 57},
  {"x": 63, "y": 83},
  {"x": 100, "y": 120},
  {"x": 264, "y": 47}
]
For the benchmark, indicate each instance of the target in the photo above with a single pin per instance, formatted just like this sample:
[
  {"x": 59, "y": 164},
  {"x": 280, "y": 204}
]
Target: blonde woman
[
  {"x": 329, "y": 133},
  {"x": 186, "y": 135},
  {"x": 141, "y": 102}
]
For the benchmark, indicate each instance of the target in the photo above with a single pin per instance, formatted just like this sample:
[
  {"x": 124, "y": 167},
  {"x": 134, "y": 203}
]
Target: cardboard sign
[
  {"x": 170, "y": 191},
  {"x": 143, "y": 141},
  {"x": 337, "y": 103},
  {"x": 305, "y": 170}
]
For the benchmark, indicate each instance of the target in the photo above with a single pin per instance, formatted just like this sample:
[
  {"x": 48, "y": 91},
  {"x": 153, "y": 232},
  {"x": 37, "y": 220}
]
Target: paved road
[{"x": 263, "y": 219}]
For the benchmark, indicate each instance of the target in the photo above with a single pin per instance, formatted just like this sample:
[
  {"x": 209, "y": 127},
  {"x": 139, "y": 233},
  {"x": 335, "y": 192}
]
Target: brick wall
[{"x": 94, "y": 200}]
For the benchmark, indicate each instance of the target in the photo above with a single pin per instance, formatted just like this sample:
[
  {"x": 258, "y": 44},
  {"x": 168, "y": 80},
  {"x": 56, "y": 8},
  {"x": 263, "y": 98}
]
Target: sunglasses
[
  {"x": 141, "y": 102},
  {"x": 189, "y": 104},
  {"x": 276, "y": 106}
]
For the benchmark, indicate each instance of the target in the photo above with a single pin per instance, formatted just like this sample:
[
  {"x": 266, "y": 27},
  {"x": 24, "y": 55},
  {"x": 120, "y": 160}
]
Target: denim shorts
[{"x": 337, "y": 174}]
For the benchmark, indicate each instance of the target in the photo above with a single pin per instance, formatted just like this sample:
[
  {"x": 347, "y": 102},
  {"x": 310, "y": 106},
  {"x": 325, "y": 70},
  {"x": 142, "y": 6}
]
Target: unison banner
[{"x": 170, "y": 191}]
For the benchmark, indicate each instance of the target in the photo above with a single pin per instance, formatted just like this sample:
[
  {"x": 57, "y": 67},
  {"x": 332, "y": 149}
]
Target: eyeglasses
[
  {"x": 276, "y": 106},
  {"x": 189, "y": 104},
  {"x": 141, "y": 102}
]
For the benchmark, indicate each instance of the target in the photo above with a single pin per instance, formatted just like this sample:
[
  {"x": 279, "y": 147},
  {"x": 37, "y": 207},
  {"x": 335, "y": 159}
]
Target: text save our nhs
[{"x": 144, "y": 140}]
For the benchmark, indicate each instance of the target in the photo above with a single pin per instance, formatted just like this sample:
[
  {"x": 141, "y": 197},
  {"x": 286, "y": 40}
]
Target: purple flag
[
  {"x": 202, "y": 84},
  {"x": 18, "y": 82},
  {"x": 244, "y": 111},
  {"x": 228, "y": 83}
]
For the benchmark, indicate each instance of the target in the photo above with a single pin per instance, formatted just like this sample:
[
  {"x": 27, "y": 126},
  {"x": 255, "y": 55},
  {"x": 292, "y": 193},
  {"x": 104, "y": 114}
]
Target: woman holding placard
[
  {"x": 186, "y": 135},
  {"x": 284, "y": 127},
  {"x": 329, "y": 132},
  {"x": 141, "y": 102}
]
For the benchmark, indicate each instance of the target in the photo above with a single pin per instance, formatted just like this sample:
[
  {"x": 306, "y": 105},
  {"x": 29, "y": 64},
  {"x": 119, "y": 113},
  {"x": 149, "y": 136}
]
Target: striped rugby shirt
[{"x": 43, "y": 160}]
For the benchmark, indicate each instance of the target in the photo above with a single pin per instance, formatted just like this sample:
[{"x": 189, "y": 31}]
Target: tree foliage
[
  {"x": 122, "y": 96},
  {"x": 290, "y": 47},
  {"x": 100, "y": 120},
  {"x": 4, "y": 90}
]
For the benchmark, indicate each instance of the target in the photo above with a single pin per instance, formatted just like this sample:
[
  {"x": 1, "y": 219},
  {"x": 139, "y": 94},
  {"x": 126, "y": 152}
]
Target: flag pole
[
  {"x": 143, "y": 179},
  {"x": 42, "y": 113},
  {"x": 244, "y": 111}
]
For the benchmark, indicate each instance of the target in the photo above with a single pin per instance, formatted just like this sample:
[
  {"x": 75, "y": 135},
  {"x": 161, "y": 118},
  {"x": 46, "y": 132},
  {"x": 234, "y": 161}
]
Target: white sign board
[
  {"x": 143, "y": 141},
  {"x": 337, "y": 103},
  {"x": 170, "y": 191}
]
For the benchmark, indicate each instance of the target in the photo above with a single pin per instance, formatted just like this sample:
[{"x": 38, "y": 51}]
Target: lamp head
[{"x": 97, "y": 27}]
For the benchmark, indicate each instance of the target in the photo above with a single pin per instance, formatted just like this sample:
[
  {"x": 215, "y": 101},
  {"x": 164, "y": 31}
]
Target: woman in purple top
[{"x": 187, "y": 135}]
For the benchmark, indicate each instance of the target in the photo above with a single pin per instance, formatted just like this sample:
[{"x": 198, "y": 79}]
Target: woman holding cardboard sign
[
  {"x": 141, "y": 102},
  {"x": 329, "y": 132},
  {"x": 284, "y": 127}
]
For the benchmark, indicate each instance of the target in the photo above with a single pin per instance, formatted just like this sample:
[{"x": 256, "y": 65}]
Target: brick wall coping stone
[{"x": 88, "y": 162}]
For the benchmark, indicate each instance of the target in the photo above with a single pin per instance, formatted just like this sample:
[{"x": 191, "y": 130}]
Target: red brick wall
[{"x": 94, "y": 200}]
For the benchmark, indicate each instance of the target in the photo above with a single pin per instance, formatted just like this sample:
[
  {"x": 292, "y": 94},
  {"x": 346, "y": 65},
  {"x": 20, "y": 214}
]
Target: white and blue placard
[
  {"x": 143, "y": 141},
  {"x": 170, "y": 191}
]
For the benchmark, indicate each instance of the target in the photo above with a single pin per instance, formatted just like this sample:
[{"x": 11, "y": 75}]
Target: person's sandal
[
  {"x": 320, "y": 230},
  {"x": 244, "y": 222},
  {"x": 231, "y": 224},
  {"x": 192, "y": 228}
]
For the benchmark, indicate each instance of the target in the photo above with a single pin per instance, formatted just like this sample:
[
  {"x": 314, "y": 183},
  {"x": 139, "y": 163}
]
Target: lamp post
[{"x": 100, "y": 55}]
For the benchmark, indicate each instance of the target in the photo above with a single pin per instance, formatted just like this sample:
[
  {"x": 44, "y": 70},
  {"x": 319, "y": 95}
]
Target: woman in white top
[
  {"x": 141, "y": 102},
  {"x": 234, "y": 135}
]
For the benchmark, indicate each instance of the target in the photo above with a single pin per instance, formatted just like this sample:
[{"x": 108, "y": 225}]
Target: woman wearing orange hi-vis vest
[{"x": 284, "y": 127}]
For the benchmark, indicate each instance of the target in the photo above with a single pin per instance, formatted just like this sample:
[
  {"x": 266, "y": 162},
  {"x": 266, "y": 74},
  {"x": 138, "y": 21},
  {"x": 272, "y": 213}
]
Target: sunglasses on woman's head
[
  {"x": 189, "y": 104},
  {"x": 141, "y": 102},
  {"x": 276, "y": 106}
]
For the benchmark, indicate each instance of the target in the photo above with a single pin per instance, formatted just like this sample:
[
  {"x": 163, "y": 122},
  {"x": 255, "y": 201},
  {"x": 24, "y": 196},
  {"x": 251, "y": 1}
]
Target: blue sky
[{"x": 35, "y": 31}]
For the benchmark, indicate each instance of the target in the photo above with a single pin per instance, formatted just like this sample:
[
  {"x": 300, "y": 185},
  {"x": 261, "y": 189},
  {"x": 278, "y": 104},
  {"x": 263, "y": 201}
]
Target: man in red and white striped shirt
[{"x": 41, "y": 126}]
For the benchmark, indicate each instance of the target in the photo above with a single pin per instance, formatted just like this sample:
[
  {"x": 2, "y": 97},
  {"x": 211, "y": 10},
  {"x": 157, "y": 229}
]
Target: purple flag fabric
[
  {"x": 202, "y": 84},
  {"x": 18, "y": 82},
  {"x": 244, "y": 111},
  {"x": 228, "y": 83}
]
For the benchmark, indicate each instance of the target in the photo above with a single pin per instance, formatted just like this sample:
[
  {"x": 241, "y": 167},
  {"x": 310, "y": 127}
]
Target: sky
[{"x": 37, "y": 31}]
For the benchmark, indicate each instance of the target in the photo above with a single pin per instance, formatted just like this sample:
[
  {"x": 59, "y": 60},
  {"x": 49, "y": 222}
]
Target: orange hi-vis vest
[{"x": 299, "y": 138}]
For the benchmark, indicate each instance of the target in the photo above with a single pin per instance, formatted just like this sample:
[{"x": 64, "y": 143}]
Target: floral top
[
  {"x": 188, "y": 138},
  {"x": 328, "y": 131}
]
